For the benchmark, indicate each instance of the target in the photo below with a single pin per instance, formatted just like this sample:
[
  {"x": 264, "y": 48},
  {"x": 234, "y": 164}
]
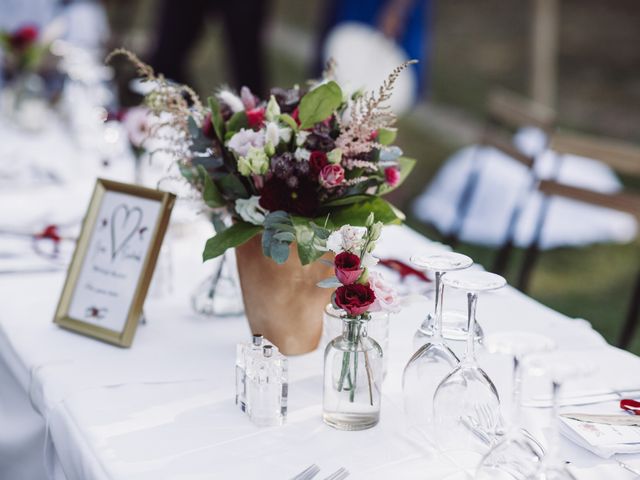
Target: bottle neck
[{"x": 353, "y": 329}]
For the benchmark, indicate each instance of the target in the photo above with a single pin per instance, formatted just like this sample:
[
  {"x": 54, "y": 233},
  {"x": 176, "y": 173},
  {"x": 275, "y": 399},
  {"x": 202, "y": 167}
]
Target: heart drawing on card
[{"x": 125, "y": 222}]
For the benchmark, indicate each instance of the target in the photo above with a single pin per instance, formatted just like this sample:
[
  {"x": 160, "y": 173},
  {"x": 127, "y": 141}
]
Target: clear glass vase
[{"x": 353, "y": 372}]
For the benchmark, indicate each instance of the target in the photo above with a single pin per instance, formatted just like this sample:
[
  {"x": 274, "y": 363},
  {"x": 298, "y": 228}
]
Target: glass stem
[
  {"x": 516, "y": 403},
  {"x": 472, "y": 300},
  {"x": 554, "y": 433},
  {"x": 438, "y": 308}
]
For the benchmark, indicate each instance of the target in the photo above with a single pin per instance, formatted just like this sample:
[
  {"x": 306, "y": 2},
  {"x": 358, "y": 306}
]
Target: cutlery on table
[
  {"x": 605, "y": 419},
  {"x": 308, "y": 473},
  {"x": 629, "y": 468},
  {"x": 339, "y": 474},
  {"x": 582, "y": 399}
]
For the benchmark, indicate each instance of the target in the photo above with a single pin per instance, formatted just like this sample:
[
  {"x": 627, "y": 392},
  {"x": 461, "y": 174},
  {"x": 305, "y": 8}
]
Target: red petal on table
[
  {"x": 403, "y": 269},
  {"x": 50, "y": 232},
  {"x": 632, "y": 406}
]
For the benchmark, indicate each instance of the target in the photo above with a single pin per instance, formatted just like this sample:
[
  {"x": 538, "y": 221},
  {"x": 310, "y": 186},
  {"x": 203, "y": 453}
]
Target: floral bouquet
[
  {"x": 24, "y": 49},
  {"x": 283, "y": 171},
  {"x": 292, "y": 167}
]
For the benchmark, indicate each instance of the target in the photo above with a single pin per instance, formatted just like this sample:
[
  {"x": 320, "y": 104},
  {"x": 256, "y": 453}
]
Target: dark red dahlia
[
  {"x": 301, "y": 200},
  {"x": 317, "y": 161}
]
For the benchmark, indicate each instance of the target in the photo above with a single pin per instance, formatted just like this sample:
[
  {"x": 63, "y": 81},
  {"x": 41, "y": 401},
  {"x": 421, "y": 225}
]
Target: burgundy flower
[
  {"x": 301, "y": 200},
  {"x": 331, "y": 176},
  {"x": 24, "y": 36},
  {"x": 347, "y": 268},
  {"x": 392, "y": 175},
  {"x": 354, "y": 299},
  {"x": 296, "y": 115},
  {"x": 317, "y": 161},
  {"x": 207, "y": 127},
  {"x": 255, "y": 117}
]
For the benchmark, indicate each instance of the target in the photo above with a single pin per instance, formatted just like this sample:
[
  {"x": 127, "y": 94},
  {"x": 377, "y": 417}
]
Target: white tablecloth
[{"x": 75, "y": 408}]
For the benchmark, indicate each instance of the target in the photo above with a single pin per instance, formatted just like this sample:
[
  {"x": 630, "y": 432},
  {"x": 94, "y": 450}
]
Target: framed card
[{"x": 113, "y": 263}]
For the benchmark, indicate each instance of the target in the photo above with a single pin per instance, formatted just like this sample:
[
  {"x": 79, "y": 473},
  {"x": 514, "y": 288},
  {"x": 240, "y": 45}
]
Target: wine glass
[
  {"x": 466, "y": 403},
  {"x": 433, "y": 360},
  {"x": 514, "y": 452},
  {"x": 559, "y": 367}
]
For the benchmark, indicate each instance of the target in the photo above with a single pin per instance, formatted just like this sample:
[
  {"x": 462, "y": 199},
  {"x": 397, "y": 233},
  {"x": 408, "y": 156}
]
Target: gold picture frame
[{"x": 124, "y": 247}]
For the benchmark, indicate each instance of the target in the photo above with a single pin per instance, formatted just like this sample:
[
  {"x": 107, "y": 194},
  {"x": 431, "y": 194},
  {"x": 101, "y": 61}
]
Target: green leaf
[
  {"x": 406, "y": 165},
  {"x": 386, "y": 136},
  {"x": 305, "y": 237},
  {"x": 339, "y": 202},
  {"x": 289, "y": 120},
  {"x": 279, "y": 251},
  {"x": 235, "y": 235},
  {"x": 357, "y": 213},
  {"x": 216, "y": 118},
  {"x": 237, "y": 121},
  {"x": 211, "y": 195},
  {"x": 199, "y": 143},
  {"x": 319, "y": 103},
  {"x": 232, "y": 186}
]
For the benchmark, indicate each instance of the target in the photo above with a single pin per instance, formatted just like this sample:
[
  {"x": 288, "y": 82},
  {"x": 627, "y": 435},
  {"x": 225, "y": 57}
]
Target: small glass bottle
[
  {"x": 243, "y": 352},
  {"x": 267, "y": 387},
  {"x": 352, "y": 378}
]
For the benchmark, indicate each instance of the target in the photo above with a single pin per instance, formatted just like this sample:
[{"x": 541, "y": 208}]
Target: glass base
[
  {"x": 351, "y": 421},
  {"x": 454, "y": 327}
]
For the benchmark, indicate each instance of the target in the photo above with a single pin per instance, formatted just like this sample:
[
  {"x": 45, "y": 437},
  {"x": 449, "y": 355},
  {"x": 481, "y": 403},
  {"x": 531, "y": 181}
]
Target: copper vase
[{"x": 282, "y": 302}]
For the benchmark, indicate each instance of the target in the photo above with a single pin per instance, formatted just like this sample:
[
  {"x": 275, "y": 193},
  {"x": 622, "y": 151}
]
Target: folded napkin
[{"x": 601, "y": 439}]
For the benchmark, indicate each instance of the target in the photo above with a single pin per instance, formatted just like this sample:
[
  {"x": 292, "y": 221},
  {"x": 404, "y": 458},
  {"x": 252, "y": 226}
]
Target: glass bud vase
[{"x": 353, "y": 372}]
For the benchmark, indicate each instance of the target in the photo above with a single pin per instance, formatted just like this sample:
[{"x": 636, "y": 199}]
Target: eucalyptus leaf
[
  {"x": 279, "y": 252},
  {"x": 211, "y": 195},
  {"x": 235, "y": 235},
  {"x": 216, "y": 118},
  {"x": 319, "y": 104},
  {"x": 306, "y": 240},
  {"x": 285, "y": 237},
  {"x": 331, "y": 282}
]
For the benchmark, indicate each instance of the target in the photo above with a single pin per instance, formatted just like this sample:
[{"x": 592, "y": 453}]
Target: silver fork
[
  {"x": 339, "y": 474},
  {"x": 308, "y": 473}
]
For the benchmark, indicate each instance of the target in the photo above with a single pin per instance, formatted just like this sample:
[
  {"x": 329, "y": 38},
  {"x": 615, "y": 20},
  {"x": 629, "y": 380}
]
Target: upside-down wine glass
[
  {"x": 559, "y": 367},
  {"x": 433, "y": 360},
  {"x": 514, "y": 454},
  {"x": 466, "y": 402}
]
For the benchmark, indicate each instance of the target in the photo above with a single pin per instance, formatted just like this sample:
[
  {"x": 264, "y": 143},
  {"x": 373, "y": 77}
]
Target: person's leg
[
  {"x": 244, "y": 23},
  {"x": 180, "y": 24}
]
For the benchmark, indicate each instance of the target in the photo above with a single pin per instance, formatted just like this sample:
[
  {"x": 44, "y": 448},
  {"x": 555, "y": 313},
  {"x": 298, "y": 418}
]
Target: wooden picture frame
[{"x": 114, "y": 260}]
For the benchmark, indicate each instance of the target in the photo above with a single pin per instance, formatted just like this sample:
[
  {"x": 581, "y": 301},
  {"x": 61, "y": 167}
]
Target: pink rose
[
  {"x": 386, "y": 297},
  {"x": 392, "y": 175},
  {"x": 347, "y": 268},
  {"x": 331, "y": 176}
]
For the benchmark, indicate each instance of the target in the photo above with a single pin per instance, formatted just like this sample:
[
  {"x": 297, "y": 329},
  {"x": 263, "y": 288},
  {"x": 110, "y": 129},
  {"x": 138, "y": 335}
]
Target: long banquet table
[{"x": 77, "y": 409}]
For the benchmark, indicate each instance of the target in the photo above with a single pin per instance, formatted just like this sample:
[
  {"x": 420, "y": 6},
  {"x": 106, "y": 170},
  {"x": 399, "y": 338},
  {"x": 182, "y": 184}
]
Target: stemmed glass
[
  {"x": 560, "y": 368},
  {"x": 433, "y": 360},
  {"x": 517, "y": 453},
  {"x": 466, "y": 403}
]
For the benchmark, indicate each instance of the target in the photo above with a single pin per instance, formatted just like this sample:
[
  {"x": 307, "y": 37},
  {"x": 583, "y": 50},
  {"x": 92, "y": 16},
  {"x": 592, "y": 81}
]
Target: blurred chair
[
  {"x": 506, "y": 112},
  {"x": 624, "y": 202},
  {"x": 622, "y": 157}
]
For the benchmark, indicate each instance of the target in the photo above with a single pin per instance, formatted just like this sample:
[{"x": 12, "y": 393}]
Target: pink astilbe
[{"x": 369, "y": 113}]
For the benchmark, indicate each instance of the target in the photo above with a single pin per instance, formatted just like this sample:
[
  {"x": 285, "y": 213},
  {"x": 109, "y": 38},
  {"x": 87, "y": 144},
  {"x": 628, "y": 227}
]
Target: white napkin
[
  {"x": 603, "y": 471},
  {"x": 603, "y": 440}
]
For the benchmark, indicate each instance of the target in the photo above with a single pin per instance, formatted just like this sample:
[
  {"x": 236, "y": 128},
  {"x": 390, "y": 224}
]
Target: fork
[
  {"x": 339, "y": 474},
  {"x": 308, "y": 473}
]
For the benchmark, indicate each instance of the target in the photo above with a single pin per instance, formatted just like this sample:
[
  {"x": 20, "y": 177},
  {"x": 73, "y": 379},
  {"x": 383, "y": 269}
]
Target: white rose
[
  {"x": 242, "y": 141},
  {"x": 369, "y": 261},
  {"x": 347, "y": 239},
  {"x": 250, "y": 210},
  {"x": 301, "y": 137},
  {"x": 386, "y": 297}
]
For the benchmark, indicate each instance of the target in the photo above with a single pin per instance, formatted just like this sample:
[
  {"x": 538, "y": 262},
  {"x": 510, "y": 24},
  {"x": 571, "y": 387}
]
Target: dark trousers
[{"x": 181, "y": 23}]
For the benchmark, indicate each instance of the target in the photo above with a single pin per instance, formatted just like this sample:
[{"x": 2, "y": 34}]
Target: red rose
[
  {"x": 207, "y": 127},
  {"x": 355, "y": 298},
  {"x": 347, "y": 268},
  {"x": 255, "y": 117},
  {"x": 24, "y": 36},
  {"x": 317, "y": 161},
  {"x": 331, "y": 176},
  {"x": 374, "y": 135},
  {"x": 296, "y": 115},
  {"x": 392, "y": 175}
]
